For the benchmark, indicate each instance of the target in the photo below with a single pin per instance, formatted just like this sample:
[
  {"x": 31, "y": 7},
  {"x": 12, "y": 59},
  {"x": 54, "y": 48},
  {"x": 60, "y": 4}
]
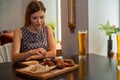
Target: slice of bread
[{"x": 28, "y": 63}]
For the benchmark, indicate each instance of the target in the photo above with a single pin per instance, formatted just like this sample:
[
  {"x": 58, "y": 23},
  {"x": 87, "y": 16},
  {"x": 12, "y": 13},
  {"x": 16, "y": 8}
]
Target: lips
[{"x": 38, "y": 25}]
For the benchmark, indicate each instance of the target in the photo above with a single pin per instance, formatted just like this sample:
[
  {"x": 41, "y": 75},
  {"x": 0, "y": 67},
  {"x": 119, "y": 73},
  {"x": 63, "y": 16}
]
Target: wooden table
[{"x": 95, "y": 67}]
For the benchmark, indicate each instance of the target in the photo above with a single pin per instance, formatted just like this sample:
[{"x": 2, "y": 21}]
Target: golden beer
[
  {"x": 82, "y": 69},
  {"x": 118, "y": 50},
  {"x": 82, "y": 38},
  {"x": 118, "y": 74}
]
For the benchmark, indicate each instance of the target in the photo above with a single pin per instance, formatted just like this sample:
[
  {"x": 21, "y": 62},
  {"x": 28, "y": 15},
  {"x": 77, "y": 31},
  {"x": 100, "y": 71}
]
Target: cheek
[
  {"x": 43, "y": 20},
  {"x": 33, "y": 21}
]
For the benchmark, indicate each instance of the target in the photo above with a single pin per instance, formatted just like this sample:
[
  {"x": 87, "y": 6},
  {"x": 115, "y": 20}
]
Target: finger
[
  {"x": 29, "y": 58},
  {"x": 39, "y": 53},
  {"x": 43, "y": 51},
  {"x": 43, "y": 54}
]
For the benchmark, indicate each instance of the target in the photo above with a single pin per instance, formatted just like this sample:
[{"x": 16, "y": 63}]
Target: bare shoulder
[
  {"x": 49, "y": 28},
  {"x": 18, "y": 32}
]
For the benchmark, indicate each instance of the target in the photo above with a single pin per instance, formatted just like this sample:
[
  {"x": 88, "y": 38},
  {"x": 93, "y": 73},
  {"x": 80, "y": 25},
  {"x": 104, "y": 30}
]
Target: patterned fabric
[{"x": 34, "y": 40}]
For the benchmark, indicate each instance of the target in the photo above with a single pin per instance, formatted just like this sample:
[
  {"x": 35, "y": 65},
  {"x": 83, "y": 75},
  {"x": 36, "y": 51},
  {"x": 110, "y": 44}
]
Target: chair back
[{"x": 5, "y": 52}]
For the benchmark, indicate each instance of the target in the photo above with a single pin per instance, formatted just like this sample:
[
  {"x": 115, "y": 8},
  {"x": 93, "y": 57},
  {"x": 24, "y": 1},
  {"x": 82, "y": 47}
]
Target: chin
[{"x": 39, "y": 28}]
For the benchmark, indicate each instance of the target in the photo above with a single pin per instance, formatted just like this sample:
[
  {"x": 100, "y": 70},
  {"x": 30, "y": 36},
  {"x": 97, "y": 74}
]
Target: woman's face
[{"x": 37, "y": 19}]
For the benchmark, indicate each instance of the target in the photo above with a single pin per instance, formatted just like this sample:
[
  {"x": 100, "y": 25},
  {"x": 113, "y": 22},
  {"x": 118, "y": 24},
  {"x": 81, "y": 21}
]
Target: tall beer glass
[
  {"x": 118, "y": 50},
  {"x": 82, "y": 40},
  {"x": 118, "y": 74}
]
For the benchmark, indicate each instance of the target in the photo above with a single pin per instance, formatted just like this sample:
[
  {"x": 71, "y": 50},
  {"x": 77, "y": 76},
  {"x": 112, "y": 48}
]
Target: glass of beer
[
  {"x": 82, "y": 40},
  {"x": 118, "y": 74},
  {"x": 118, "y": 50}
]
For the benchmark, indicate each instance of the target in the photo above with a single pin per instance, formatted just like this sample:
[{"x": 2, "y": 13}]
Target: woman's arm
[
  {"x": 35, "y": 53},
  {"x": 29, "y": 55},
  {"x": 51, "y": 43},
  {"x": 16, "y": 56}
]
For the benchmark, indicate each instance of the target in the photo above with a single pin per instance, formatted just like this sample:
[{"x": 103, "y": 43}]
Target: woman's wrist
[{"x": 30, "y": 52}]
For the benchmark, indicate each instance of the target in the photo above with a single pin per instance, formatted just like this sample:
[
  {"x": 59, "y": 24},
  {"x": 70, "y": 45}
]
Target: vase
[{"x": 109, "y": 48}]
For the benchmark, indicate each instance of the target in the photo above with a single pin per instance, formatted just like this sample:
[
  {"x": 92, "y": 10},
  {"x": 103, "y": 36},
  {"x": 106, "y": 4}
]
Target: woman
[{"x": 35, "y": 40}]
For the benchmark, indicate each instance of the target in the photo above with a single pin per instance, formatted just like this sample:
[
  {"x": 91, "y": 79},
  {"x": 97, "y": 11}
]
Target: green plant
[
  {"x": 52, "y": 24},
  {"x": 109, "y": 29}
]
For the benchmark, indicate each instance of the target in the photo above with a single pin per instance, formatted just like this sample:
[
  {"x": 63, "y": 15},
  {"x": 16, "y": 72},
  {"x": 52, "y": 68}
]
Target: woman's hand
[
  {"x": 33, "y": 57},
  {"x": 37, "y": 54},
  {"x": 38, "y": 51},
  {"x": 42, "y": 51}
]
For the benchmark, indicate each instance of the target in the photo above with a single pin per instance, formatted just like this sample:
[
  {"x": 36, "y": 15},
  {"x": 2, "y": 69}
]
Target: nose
[{"x": 39, "y": 20}]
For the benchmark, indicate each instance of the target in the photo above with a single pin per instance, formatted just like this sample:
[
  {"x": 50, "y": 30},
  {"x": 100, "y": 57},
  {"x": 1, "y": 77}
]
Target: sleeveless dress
[{"x": 34, "y": 40}]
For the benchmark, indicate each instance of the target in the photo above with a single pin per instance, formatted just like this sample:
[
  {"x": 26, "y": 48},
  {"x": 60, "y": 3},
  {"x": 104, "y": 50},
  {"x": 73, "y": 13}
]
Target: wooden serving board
[{"x": 49, "y": 74}]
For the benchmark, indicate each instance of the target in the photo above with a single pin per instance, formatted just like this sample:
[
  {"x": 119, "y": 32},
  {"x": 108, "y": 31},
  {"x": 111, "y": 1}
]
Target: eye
[
  {"x": 41, "y": 17},
  {"x": 34, "y": 17}
]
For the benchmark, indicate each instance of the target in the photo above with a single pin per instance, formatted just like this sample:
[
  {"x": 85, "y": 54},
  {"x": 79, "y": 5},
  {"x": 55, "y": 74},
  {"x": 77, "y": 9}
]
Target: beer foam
[{"x": 82, "y": 32}]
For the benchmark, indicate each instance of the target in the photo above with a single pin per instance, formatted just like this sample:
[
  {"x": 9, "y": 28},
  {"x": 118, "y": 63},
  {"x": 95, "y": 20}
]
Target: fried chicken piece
[
  {"x": 49, "y": 62},
  {"x": 59, "y": 63},
  {"x": 68, "y": 62}
]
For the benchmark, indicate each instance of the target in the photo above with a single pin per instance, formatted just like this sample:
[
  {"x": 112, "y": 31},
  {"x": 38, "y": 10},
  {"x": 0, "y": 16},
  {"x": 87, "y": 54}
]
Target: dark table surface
[{"x": 94, "y": 67}]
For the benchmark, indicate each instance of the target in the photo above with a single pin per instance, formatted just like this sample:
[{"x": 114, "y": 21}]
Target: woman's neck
[{"x": 33, "y": 29}]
